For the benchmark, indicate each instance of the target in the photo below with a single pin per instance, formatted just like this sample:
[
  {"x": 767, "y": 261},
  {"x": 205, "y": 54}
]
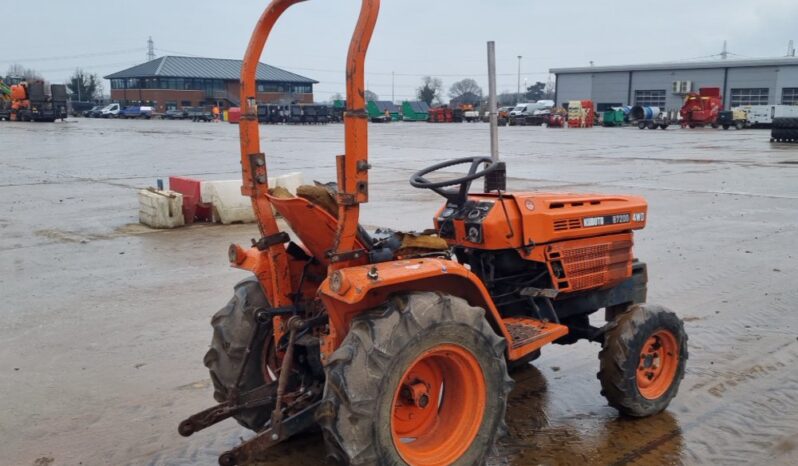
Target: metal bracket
[
  {"x": 539, "y": 292},
  {"x": 345, "y": 256},
  {"x": 257, "y": 163},
  {"x": 268, "y": 241}
]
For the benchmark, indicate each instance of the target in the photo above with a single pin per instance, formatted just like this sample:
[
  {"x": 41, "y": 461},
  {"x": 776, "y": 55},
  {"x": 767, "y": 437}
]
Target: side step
[{"x": 528, "y": 335}]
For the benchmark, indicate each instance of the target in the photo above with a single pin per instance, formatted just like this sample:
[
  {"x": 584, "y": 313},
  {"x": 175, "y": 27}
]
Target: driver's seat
[{"x": 312, "y": 215}]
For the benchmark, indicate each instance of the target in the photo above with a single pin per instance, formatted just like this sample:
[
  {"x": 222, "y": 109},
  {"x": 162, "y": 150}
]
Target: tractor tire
[
  {"x": 739, "y": 125},
  {"x": 785, "y": 123},
  {"x": 232, "y": 327},
  {"x": 421, "y": 378},
  {"x": 642, "y": 360},
  {"x": 784, "y": 134}
]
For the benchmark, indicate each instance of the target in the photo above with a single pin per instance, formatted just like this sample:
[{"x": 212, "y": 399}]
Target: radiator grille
[{"x": 592, "y": 266}]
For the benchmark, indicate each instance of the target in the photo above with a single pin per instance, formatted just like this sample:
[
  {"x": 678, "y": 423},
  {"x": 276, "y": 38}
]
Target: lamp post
[{"x": 518, "y": 93}]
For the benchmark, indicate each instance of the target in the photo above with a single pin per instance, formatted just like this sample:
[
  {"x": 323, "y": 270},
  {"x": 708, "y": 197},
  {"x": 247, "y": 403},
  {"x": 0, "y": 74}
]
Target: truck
[
  {"x": 763, "y": 115},
  {"x": 530, "y": 113},
  {"x": 30, "y": 102}
]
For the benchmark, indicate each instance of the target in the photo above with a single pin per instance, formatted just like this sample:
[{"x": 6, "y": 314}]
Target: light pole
[{"x": 518, "y": 93}]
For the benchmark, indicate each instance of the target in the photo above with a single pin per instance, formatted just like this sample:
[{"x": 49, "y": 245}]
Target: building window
[
  {"x": 301, "y": 88},
  {"x": 749, "y": 96},
  {"x": 185, "y": 103},
  {"x": 789, "y": 96},
  {"x": 650, "y": 98}
]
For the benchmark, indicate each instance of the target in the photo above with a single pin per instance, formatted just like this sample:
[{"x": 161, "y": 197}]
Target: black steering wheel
[{"x": 454, "y": 196}]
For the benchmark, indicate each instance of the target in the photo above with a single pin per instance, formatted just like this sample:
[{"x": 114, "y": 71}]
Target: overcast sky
[{"x": 413, "y": 37}]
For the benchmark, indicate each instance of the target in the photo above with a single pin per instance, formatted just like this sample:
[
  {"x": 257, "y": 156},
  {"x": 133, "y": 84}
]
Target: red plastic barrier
[
  {"x": 234, "y": 115},
  {"x": 193, "y": 208}
]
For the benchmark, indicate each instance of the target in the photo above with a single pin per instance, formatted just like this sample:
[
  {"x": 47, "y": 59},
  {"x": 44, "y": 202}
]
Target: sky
[{"x": 413, "y": 38}]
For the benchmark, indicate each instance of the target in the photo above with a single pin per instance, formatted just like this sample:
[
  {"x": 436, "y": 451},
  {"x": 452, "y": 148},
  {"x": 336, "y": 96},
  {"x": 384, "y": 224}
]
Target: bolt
[{"x": 423, "y": 401}]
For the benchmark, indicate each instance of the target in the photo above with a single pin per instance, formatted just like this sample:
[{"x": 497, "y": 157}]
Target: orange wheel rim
[
  {"x": 438, "y": 406},
  {"x": 659, "y": 360}
]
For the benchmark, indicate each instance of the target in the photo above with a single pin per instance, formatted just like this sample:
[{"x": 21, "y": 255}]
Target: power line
[{"x": 70, "y": 57}]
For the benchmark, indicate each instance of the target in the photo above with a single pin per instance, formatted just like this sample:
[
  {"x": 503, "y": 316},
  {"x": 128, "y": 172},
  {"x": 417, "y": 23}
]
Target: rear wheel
[
  {"x": 421, "y": 380},
  {"x": 642, "y": 360},
  {"x": 641, "y": 125},
  {"x": 232, "y": 327}
]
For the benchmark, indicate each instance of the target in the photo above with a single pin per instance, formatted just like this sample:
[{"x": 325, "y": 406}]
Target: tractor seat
[{"x": 312, "y": 215}]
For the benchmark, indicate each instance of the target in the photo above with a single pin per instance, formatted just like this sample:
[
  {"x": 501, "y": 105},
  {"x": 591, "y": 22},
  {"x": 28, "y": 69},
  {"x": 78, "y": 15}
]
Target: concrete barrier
[
  {"x": 229, "y": 206},
  {"x": 161, "y": 209}
]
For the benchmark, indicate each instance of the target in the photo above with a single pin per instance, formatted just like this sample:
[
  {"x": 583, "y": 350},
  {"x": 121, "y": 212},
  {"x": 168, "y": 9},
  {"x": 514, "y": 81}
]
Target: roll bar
[{"x": 352, "y": 167}]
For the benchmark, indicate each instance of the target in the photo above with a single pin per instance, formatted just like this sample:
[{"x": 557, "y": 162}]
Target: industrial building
[
  {"x": 742, "y": 82},
  {"x": 171, "y": 82}
]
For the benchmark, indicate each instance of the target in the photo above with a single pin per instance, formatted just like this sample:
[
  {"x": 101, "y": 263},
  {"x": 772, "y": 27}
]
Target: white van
[
  {"x": 529, "y": 109},
  {"x": 764, "y": 114},
  {"x": 110, "y": 111}
]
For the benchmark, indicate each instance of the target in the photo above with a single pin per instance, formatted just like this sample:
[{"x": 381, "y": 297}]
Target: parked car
[
  {"x": 135, "y": 111},
  {"x": 174, "y": 114},
  {"x": 92, "y": 112},
  {"x": 110, "y": 111},
  {"x": 199, "y": 114}
]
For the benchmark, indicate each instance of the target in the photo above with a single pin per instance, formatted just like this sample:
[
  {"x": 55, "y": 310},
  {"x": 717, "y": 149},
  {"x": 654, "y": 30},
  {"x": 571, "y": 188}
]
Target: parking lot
[{"x": 105, "y": 322}]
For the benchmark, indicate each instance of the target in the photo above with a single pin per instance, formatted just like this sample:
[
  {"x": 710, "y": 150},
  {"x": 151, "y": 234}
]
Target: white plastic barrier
[
  {"x": 229, "y": 206},
  {"x": 161, "y": 209}
]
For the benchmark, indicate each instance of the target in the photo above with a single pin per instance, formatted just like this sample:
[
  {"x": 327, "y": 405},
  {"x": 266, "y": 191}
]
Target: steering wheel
[{"x": 454, "y": 196}]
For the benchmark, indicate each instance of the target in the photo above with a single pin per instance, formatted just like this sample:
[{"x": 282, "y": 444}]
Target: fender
[{"x": 350, "y": 291}]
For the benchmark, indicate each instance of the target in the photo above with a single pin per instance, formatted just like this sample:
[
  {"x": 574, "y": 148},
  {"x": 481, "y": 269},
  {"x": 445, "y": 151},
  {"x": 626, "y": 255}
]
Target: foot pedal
[{"x": 530, "y": 334}]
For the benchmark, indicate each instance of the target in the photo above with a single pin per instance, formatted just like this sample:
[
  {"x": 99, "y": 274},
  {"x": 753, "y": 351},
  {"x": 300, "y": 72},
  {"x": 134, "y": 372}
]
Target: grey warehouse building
[{"x": 664, "y": 85}]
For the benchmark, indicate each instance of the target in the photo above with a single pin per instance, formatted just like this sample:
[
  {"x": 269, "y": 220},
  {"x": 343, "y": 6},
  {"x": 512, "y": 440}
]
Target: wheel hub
[
  {"x": 659, "y": 359},
  {"x": 438, "y": 406}
]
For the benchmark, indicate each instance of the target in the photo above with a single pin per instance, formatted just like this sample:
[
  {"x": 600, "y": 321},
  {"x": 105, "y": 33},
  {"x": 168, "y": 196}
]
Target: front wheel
[
  {"x": 421, "y": 380},
  {"x": 642, "y": 360}
]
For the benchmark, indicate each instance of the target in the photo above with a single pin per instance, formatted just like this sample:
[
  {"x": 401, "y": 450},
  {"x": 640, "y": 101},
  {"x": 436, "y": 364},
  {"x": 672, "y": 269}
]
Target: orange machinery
[{"x": 399, "y": 345}]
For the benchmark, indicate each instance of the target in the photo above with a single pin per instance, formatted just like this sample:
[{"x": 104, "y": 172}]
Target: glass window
[
  {"x": 650, "y": 98},
  {"x": 133, "y": 83},
  {"x": 789, "y": 96},
  {"x": 749, "y": 96}
]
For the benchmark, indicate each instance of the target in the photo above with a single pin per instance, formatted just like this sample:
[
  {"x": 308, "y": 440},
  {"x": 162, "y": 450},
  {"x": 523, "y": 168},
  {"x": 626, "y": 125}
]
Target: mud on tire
[
  {"x": 232, "y": 326},
  {"x": 365, "y": 372},
  {"x": 620, "y": 358}
]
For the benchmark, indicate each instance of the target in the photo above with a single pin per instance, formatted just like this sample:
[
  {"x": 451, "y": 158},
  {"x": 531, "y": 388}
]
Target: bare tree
[
  {"x": 371, "y": 96},
  {"x": 465, "y": 86},
  {"x": 430, "y": 90},
  {"x": 336, "y": 96},
  {"x": 84, "y": 86},
  {"x": 28, "y": 74}
]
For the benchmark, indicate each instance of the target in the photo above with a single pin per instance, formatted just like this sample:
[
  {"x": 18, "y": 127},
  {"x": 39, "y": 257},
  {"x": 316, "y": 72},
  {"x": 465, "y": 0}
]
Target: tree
[
  {"x": 430, "y": 90},
  {"x": 28, "y": 74},
  {"x": 536, "y": 91},
  {"x": 336, "y": 96},
  {"x": 506, "y": 99},
  {"x": 84, "y": 86},
  {"x": 465, "y": 86},
  {"x": 371, "y": 96}
]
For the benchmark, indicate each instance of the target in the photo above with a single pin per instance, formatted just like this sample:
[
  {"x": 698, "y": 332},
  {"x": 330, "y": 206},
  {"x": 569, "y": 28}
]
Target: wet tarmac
[{"x": 104, "y": 322}]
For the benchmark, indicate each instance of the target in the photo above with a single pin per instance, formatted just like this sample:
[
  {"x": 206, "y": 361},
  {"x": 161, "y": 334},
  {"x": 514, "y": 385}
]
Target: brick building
[{"x": 176, "y": 82}]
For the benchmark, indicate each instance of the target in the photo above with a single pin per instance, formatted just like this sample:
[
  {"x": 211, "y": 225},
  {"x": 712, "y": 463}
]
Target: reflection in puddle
[{"x": 539, "y": 434}]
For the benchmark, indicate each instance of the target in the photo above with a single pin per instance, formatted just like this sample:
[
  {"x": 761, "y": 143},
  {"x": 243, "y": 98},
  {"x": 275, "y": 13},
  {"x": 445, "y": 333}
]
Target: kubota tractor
[{"x": 399, "y": 346}]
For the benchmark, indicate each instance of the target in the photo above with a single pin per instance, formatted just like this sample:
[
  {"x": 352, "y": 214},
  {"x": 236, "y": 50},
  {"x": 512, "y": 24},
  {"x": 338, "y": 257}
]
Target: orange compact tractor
[{"x": 399, "y": 345}]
